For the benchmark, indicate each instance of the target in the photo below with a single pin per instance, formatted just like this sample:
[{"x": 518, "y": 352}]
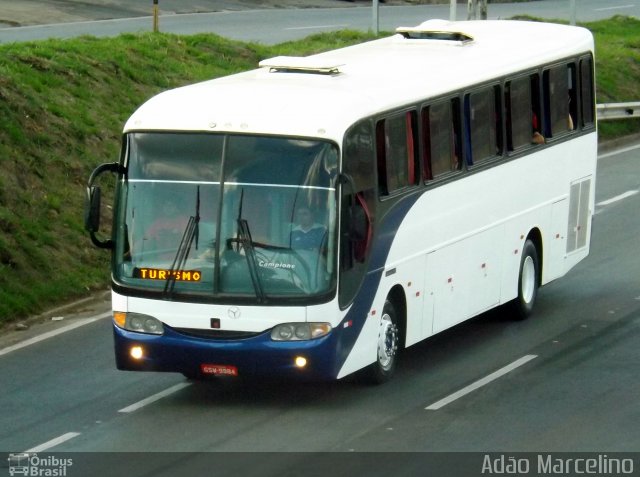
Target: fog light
[
  {"x": 136, "y": 352},
  {"x": 301, "y": 361}
]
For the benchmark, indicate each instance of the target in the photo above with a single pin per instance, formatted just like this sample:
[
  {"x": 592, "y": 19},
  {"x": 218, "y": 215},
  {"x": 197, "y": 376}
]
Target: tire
[
  {"x": 387, "y": 349},
  {"x": 528, "y": 282},
  {"x": 196, "y": 376}
]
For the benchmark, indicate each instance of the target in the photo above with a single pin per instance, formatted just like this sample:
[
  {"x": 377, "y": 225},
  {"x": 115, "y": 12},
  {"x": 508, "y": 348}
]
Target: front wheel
[
  {"x": 528, "y": 282},
  {"x": 387, "y": 349}
]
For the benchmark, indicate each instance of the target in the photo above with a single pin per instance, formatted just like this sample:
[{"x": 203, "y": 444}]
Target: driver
[{"x": 307, "y": 234}]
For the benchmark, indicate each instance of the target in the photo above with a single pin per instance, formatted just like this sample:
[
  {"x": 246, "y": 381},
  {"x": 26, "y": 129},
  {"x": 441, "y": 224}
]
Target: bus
[{"x": 315, "y": 216}]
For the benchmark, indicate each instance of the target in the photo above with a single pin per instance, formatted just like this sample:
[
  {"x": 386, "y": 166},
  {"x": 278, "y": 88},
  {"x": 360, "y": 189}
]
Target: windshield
[{"x": 218, "y": 215}]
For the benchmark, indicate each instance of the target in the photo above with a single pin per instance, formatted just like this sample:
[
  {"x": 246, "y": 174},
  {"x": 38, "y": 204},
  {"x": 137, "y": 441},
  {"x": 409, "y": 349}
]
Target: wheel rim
[
  {"x": 528, "y": 286},
  {"x": 387, "y": 342}
]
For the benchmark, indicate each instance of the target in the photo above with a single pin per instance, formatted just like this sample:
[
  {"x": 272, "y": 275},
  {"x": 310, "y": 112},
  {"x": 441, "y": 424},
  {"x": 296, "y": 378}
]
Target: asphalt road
[
  {"x": 578, "y": 391},
  {"x": 272, "y": 26}
]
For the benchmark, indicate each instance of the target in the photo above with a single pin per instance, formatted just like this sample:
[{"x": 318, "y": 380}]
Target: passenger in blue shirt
[{"x": 307, "y": 235}]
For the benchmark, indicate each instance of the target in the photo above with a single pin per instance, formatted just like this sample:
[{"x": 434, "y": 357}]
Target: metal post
[
  {"x": 452, "y": 11},
  {"x": 472, "y": 13},
  {"x": 375, "y": 19},
  {"x": 483, "y": 9},
  {"x": 156, "y": 23},
  {"x": 572, "y": 4}
]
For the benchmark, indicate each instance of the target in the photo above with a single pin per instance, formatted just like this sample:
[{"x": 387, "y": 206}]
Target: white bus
[{"x": 313, "y": 217}]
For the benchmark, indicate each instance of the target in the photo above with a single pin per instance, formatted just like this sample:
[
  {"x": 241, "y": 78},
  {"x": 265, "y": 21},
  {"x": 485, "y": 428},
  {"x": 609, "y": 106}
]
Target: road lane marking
[
  {"x": 481, "y": 382},
  {"x": 617, "y": 198},
  {"x": 619, "y": 151},
  {"x": 316, "y": 26},
  {"x": 154, "y": 398},
  {"x": 51, "y": 334},
  {"x": 618, "y": 7},
  {"x": 54, "y": 442}
]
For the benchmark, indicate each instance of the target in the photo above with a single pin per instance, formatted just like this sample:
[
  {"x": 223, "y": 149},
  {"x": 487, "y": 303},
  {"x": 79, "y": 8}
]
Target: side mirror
[
  {"x": 92, "y": 209},
  {"x": 92, "y": 204}
]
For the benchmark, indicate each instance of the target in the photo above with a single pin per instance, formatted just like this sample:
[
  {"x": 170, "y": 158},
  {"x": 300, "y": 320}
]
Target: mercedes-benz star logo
[{"x": 234, "y": 312}]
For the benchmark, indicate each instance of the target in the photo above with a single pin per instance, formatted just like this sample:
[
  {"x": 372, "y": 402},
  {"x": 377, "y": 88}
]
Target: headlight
[
  {"x": 138, "y": 322},
  {"x": 300, "y": 331}
]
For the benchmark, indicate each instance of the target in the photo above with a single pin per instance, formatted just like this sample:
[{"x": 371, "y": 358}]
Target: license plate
[{"x": 219, "y": 369}]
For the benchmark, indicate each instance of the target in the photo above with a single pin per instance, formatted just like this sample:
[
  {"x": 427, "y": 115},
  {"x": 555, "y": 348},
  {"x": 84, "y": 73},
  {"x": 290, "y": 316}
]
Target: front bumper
[{"x": 255, "y": 356}]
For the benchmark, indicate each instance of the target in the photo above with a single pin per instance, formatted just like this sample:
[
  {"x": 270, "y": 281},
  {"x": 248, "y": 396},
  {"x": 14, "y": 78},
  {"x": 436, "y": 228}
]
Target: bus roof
[{"x": 322, "y": 95}]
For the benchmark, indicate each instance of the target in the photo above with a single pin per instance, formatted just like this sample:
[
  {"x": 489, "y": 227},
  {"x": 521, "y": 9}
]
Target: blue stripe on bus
[{"x": 363, "y": 301}]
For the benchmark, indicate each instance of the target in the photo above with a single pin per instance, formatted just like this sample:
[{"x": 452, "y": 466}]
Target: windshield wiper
[
  {"x": 192, "y": 230},
  {"x": 244, "y": 236}
]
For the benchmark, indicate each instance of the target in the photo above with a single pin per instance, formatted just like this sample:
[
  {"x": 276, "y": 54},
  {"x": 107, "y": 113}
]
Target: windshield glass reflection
[{"x": 218, "y": 215}]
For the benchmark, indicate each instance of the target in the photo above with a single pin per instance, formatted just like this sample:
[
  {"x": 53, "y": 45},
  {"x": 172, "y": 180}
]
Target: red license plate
[{"x": 219, "y": 369}]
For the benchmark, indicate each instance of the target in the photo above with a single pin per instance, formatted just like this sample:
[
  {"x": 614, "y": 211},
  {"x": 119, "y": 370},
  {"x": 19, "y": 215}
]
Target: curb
[{"x": 619, "y": 143}]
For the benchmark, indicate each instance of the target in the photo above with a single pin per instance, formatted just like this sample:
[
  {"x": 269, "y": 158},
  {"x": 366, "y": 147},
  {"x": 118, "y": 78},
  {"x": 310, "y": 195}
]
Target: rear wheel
[
  {"x": 387, "y": 349},
  {"x": 528, "y": 282}
]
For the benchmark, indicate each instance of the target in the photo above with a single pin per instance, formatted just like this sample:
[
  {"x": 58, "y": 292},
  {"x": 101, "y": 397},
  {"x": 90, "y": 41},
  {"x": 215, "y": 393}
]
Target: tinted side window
[
  {"x": 483, "y": 124},
  {"x": 441, "y": 135},
  {"x": 559, "y": 88},
  {"x": 586, "y": 90},
  {"x": 358, "y": 197},
  {"x": 397, "y": 165},
  {"x": 520, "y": 114}
]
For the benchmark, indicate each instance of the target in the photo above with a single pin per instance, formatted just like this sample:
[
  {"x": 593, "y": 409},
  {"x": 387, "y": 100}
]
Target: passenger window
[
  {"x": 559, "y": 93},
  {"x": 520, "y": 115},
  {"x": 441, "y": 138},
  {"x": 523, "y": 112},
  {"x": 397, "y": 165},
  {"x": 572, "y": 120},
  {"x": 483, "y": 125},
  {"x": 586, "y": 90}
]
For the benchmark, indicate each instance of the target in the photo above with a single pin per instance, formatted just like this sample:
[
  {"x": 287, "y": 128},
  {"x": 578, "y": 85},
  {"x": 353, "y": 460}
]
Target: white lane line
[
  {"x": 316, "y": 26},
  {"x": 54, "y": 442},
  {"x": 619, "y": 151},
  {"x": 617, "y": 198},
  {"x": 481, "y": 382},
  {"x": 618, "y": 7},
  {"x": 51, "y": 334},
  {"x": 154, "y": 398}
]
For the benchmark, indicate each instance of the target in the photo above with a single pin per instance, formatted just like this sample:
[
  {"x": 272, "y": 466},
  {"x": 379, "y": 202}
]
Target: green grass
[{"x": 62, "y": 107}]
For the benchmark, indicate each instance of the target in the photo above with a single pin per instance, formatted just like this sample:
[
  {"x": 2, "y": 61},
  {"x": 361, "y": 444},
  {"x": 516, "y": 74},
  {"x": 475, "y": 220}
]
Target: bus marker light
[
  {"x": 136, "y": 352},
  {"x": 301, "y": 361},
  {"x": 120, "y": 318}
]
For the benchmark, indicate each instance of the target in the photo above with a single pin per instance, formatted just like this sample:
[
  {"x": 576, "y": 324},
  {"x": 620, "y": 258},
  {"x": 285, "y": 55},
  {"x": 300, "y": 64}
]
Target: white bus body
[{"x": 450, "y": 167}]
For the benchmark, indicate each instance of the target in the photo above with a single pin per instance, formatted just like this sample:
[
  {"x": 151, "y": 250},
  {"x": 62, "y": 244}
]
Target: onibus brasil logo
[{"x": 26, "y": 463}]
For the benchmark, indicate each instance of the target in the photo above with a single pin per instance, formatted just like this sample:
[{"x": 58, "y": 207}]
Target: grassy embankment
[{"x": 62, "y": 107}]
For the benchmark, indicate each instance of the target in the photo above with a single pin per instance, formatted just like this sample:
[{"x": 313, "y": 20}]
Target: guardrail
[{"x": 618, "y": 111}]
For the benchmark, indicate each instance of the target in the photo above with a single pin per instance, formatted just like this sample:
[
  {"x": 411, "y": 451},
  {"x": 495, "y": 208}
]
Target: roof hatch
[
  {"x": 421, "y": 33},
  {"x": 299, "y": 64}
]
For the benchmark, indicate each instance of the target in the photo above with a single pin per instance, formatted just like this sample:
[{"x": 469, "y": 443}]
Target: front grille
[{"x": 216, "y": 334}]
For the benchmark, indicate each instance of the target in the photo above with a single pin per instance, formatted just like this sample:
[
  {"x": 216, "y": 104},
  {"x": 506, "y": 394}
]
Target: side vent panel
[{"x": 578, "y": 215}]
